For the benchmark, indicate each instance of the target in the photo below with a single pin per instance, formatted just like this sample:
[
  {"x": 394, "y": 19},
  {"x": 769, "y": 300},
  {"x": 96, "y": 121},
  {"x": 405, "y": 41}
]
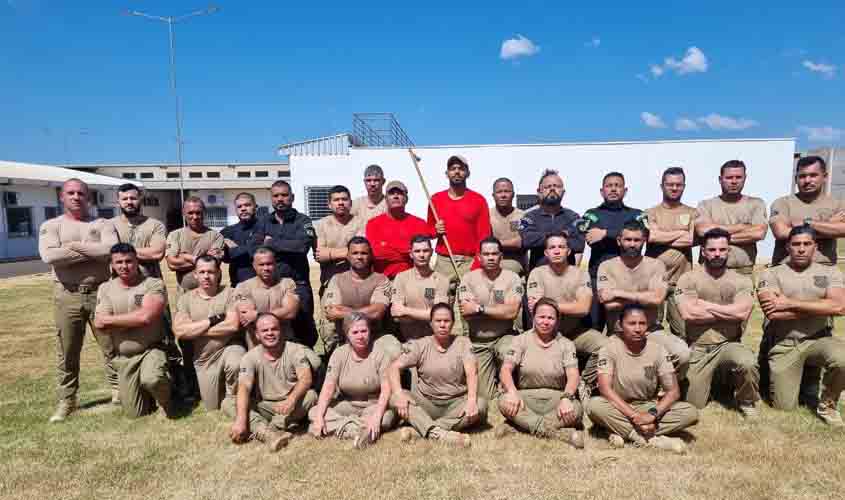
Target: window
[
  {"x": 128, "y": 175},
  {"x": 172, "y": 175},
  {"x": 51, "y": 213},
  {"x": 212, "y": 199},
  {"x": 146, "y": 175},
  {"x": 317, "y": 201},
  {"x": 282, "y": 173},
  {"x": 212, "y": 175},
  {"x": 526, "y": 201},
  {"x": 263, "y": 211},
  {"x": 150, "y": 201},
  {"x": 195, "y": 175},
  {"x": 216, "y": 217},
  {"x": 19, "y": 220},
  {"x": 105, "y": 213},
  {"x": 262, "y": 173},
  {"x": 244, "y": 174}
]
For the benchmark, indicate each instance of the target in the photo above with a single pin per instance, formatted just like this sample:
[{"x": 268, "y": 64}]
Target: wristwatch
[
  {"x": 480, "y": 309},
  {"x": 568, "y": 396},
  {"x": 653, "y": 412}
]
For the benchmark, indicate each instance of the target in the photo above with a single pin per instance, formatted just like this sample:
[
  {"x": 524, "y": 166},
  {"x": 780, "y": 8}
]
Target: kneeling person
[
  {"x": 715, "y": 302},
  {"x": 632, "y": 369},
  {"x": 445, "y": 398},
  {"x": 130, "y": 310},
  {"x": 274, "y": 388},
  {"x": 800, "y": 298},
  {"x": 206, "y": 317},
  {"x": 540, "y": 379},
  {"x": 353, "y": 402}
]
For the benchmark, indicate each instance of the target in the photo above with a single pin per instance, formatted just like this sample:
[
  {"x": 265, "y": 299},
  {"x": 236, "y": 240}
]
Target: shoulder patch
[
  {"x": 602, "y": 278},
  {"x": 602, "y": 362},
  {"x": 499, "y": 296},
  {"x": 821, "y": 281},
  {"x": 762, "y": 284},
  {"x": 519, "y": 289},
  {"x": 429, "y": 293},
  {"x": 532, "y": 284},
  {"x": 139, "y": 298}
]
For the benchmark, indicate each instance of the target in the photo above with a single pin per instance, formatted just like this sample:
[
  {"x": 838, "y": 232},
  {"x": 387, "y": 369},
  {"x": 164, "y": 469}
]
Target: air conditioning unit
[{"x": 10, "y": 198}]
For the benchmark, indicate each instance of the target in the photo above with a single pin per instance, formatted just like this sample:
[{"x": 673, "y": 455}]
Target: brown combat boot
[{"x": 451, "y": 438}]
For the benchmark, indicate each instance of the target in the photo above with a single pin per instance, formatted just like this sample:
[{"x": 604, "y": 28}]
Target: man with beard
[
  {"x": 800, "y": 298},
  {"x": 269, "y": 294},
  {"x": 490, "y": 299},
  {"x": 129, "y": 310},
  {"x": 504, "y": 221},
  {"x": 274, "y": 388},
  {"x": 569, "y": 287},
  {"x": 390, "y": 233},
  {"x": 715, "y": 301},
  {"x": 824, "y": 213},
  {"x": 149, "y": 238},
  {"x": 632, "y": 278},
  {"x": 550, "y": 218},
  {"x": 291, "y": 235},
  {"x": 242, "y": 239},
  {"x": 464, "y": 220},
  {"x": 601, "y": 227},
  {"x": 184, "y": 246},
  {"x": 371, "y": 204},
  {"x": 71, "y": 245},
  {"x": 333, "y": 233},
  {"x": 206, "y": 318},
  {"x": 359, "y": 289},
  {"x": 416, "y": 290},
  {"x": 671, "y": 225}
]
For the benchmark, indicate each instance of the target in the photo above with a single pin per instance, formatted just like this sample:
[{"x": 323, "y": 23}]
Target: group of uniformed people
[{"x": 506, "y": 314}]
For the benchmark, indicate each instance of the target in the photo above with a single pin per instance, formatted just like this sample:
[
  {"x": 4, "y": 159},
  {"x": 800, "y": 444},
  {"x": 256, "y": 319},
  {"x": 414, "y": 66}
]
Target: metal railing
[{"x": 378, "y": 130}]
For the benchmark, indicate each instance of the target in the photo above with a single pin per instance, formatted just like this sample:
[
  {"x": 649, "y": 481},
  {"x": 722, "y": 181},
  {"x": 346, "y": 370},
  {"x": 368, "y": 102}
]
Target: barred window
[
  {"x": 19, "y": 221},
  {"x": 216, "y": 217},
  {"x": 526, "y": 201},
  {"x": 317, "y": 201}
]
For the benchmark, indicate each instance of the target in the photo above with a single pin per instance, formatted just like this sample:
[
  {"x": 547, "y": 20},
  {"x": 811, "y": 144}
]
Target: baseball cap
[
  {"x": 457, "y": 159},
  {"x": 396, "y": 185}
]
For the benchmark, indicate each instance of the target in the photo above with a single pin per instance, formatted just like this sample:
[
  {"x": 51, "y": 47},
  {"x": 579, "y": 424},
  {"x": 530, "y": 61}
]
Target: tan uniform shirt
[
  {"x": 345, "y": 289},
  {"x": 506, "y": 287},
  {"x": 749, "y": 210},
  {"x": 362, "y": 208},
  {"x": 412, "y": 290},
  {"x": 545, "y": 282},
  {"x": 650, "y": 274},
  {"x": 441, "y": 375},
  {"x": 267, "y": 299},
  {"x": 540, "y": 366},
  {"x": 114, "y": 299},
  {"x": 810, "y": 284},
  {"x": 198, "y": 308},
  {"x": 725, "y": 290},
  {"x": 507, "y": 228},
  {"x": 184, "y": 240},
  {"x": 635, "y": 377},
  {"x": 68, "y": 266},
  {"x": 677, "y": 261},
  {"x": 148, "y": 233},
  {"x": 273, "y": 380},
  {"x": 792, "y": 210},
  {"x": 332, "y": 234},
  {"x": 357, "y": 379}
]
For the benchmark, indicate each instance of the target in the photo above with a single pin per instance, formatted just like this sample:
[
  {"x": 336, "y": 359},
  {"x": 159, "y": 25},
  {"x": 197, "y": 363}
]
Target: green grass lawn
[{"x": 99, "y": 453}]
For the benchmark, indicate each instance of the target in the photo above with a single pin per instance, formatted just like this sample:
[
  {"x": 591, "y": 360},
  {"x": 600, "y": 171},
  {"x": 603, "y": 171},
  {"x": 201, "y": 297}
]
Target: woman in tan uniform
[
  {"x": 445, "y": 398},
  {"x": 353, "y": 400},
  {"x": 540, "y": 379}
]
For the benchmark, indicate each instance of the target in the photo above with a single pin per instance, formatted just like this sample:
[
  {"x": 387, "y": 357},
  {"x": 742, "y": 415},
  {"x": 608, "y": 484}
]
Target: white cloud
[
  {"x": 720, "y": 122},
  {"x": 822, "y": 134},
  {"x": 520, "y": 46},
  {"x": 652, "y": 120},
  {"x": 594, "y": 43},
  {"x": 827, "y": 70},
  {"x": 685, "y": 124},
  {"x": 694, "y": 61}
]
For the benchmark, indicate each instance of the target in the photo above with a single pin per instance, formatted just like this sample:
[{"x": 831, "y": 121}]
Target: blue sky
[{"x": 81, "y": 82}]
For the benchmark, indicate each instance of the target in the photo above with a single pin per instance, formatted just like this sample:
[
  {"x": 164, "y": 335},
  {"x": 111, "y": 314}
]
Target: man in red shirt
[
  {"x": 464, "y": 219},
  {"x": 390, "y": 233}
]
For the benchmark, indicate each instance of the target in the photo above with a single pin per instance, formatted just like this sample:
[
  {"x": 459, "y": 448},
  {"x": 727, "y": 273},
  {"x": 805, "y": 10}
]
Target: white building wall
[
  {"x": 582, "y": 167},
  {"x": 226, "y": 198}
]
